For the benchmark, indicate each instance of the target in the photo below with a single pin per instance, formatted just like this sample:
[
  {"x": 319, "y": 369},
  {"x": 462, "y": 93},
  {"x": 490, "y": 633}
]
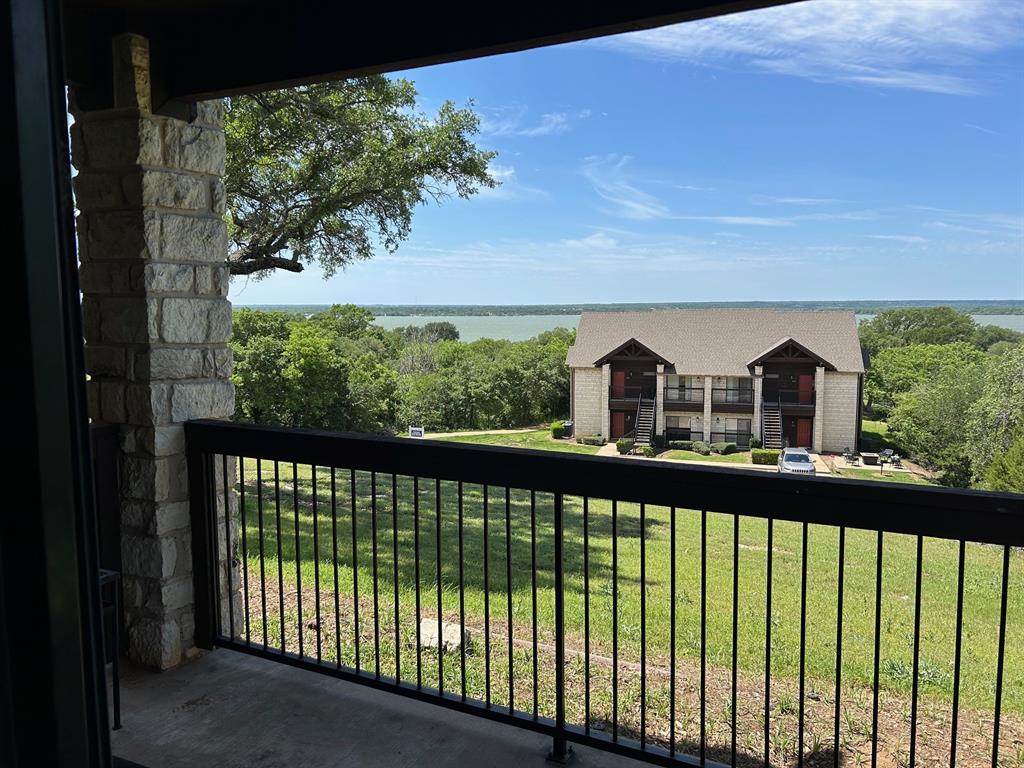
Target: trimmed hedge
[
  {"x": 659, "y": 441},
  {"x": 764, "y": 456},
  {"x": 624, "y": 444},
  {"x": 699, "y": 446},
  {"x": 557, "y": 430},
  {"x": 681, "y": 445},
  {"x": 724, "y": 448},
  {"x": 590, "y": 440},
  {"x": 755, "y": 443}
]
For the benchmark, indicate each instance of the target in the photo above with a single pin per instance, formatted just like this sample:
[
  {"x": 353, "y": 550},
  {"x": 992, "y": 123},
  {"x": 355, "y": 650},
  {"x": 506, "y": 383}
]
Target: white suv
[{"x": 795, "y": 461}]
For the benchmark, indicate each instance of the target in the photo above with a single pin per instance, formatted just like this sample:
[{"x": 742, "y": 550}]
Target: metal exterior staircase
[
  {"x": 644, "y": 432},
  {"x": 771, "y": 424}
]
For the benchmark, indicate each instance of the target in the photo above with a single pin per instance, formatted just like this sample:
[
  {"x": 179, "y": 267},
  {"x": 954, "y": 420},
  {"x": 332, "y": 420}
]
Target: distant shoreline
[{"x": 976, "y": 307}]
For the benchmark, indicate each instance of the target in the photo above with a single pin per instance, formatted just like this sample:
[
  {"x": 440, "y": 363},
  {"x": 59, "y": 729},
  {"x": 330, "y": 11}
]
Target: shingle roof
[{"x": 717, "y": 342}]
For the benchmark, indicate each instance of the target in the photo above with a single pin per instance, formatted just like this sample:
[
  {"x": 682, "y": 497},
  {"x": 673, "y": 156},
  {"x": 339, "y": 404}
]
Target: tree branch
[{"x": 250, "y": 266}]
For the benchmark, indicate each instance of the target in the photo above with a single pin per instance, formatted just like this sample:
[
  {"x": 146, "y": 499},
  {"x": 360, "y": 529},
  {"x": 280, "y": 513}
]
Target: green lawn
[
  {"x": 980, "y": 621},
  {"x": 732, "y": 458},
  {"x": 875, "y": 435},
  {"x": 539, "y": 439},
  {"x": 854, "y": 473}
]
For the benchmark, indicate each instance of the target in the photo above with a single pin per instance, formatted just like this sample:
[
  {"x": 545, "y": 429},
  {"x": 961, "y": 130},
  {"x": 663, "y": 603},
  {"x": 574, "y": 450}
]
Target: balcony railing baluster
[
  {"x": 298, "y": 558},
  {"x": 334, "y": 568},
  {"x": 280, "y": 554}
]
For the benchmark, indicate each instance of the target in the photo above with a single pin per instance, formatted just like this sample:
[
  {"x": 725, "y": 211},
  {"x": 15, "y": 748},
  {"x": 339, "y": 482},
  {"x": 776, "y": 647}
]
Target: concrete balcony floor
[{"x": 231, "y": 710}]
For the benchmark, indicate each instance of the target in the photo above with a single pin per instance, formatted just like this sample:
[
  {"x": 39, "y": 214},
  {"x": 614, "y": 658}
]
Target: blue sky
[{"x": 822, "y": 150}]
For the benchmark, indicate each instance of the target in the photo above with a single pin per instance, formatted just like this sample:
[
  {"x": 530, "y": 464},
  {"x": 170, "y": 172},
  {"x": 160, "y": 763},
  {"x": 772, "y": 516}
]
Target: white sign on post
[{"x": 416, "y": 431}]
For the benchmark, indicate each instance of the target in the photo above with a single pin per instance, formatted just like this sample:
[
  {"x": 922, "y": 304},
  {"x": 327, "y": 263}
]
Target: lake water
[
  {"x": 520, "y": 327},
  {"x": 473, "y": 327}
]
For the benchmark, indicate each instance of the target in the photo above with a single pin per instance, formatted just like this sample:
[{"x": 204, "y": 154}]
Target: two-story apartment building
[{"x": 719, "y": 375}]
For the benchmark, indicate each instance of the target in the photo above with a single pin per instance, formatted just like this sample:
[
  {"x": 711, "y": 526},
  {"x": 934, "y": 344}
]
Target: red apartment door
[
  {"x": 805, "y": 384},
  {"x": 618, "y": 424},
  {"x": 618, "y": 383},
  {"x": 803, "y": 432}
]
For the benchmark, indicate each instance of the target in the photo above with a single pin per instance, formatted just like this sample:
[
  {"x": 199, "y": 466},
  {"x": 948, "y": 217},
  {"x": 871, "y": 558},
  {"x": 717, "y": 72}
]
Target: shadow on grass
[{"x": 519, "y": 529}]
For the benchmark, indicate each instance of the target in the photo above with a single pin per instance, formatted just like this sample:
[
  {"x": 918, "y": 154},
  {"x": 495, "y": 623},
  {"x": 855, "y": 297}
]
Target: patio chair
[{"x": 849, "y": 456}]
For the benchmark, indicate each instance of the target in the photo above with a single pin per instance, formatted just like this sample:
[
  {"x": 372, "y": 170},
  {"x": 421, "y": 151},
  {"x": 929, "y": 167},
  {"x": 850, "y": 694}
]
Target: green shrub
[
  {"x": 590, "y": 440},
  {"x": 624, "y": 444},
  {"x": 764, "y": 456},
  {"x": 724, "y": 448},
  {"x": 649, "y": 451},
  {"x": 699, "y": 446},
  {"x": 681, "y": 445},
  {"x": 557, "y": 430},
  {"x": 755, "y": 442},
  {"x": 659, "y": 441}
]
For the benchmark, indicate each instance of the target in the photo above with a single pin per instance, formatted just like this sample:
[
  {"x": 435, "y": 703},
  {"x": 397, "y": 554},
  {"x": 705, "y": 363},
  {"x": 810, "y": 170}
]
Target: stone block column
[
  {"x": 659, "y": 401},
  {"x": 819, "y": 409},
  {"x": 606, "y": 413},
  {"x": 755, "y": 423},
  {"x": 708, "y": 387},
  {"x": 153, "y": 245}
]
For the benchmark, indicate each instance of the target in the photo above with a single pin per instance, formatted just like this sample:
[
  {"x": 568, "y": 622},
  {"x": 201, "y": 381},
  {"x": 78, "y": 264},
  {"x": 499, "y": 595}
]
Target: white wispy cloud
[
  {"x": 909, "y": 239},
  {"x": 625, "y": 194},
  {"x": 861, "y": 215},
  {"x": 980, "y": 220},
  {"x": 551, "y": 122},
  {"x": 946, "y": 226},
  {"x": 608, "y": 178},
  {"x": 517, "y": 121},
  {"x": 921, "y": 45},
  {"x": 981, "y": 128},
  {"x": 510, "y": 187},
  {"x": 597, "y": 240},
  {"x": 774, "y": 200},
  {"x": 749, "y": 221}
]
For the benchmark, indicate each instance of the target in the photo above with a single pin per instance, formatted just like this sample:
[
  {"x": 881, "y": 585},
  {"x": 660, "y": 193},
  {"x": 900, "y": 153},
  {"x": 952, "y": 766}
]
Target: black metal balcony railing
[
  {"x": 631, "y": 392},
  {"x": 792, "y": 396},
  {"x": 684, "y": 394},
  {"x": 737, "y": 395},
  {"x": 590, "y": 577}
]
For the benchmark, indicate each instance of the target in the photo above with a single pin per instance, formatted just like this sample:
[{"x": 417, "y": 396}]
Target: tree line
[
  {"x": 336, "y": 370},
  {"x": 952, "y": 393}
]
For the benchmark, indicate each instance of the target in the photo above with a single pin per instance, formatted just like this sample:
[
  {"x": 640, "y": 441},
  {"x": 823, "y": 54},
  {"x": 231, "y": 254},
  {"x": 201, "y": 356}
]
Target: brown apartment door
[
  {"x": 618, "y": 383},
  {"x": 618, "y": 424},
  {"x": 805, "y": 385},
  {"x": 803, "y": 432}
]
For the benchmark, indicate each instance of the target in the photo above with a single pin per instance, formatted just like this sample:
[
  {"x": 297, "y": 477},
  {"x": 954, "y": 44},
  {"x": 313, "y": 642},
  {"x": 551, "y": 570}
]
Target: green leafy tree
[
  {"x": 903, "y": 327},
  {"x": 346, "y": 320},
  {"x": 896, "y": 370},
  {"x": 998, "y": 413},
  {"x": 986, "y": 336},
  {"x": 1001, "y": 348},
  {"x": 249, "y": 324},
  {"x": 314, "y": 378},
  {"x": 326, "y": 173},
  {"x": 1006, "y": 471},
  {"x": 429, "y": 333},
  {"x": 257, "y": 379},
  {"x": 931, "y": 421},
  {"x": 372, "y": 396}
]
